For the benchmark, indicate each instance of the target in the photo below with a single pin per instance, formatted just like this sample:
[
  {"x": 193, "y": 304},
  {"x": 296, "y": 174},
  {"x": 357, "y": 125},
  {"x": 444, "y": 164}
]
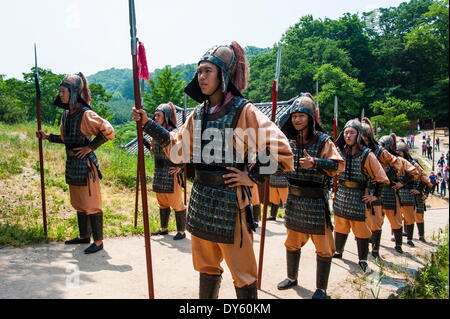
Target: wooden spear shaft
[
  {"x": 41, "y": 153},
  {"x": 140, "y": 137},
  {"x": 266, "y": 197}
]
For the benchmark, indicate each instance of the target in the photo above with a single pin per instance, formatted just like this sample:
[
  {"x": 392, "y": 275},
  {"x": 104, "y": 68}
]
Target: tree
[
  {"x": 410, "y": 108},
  {"x": 167, "y": 87},
  {"x": 427, "y": 44},
  {"x": 396, "y": 115},
  {"x": 335, "y": 82},
  {"x": 99, "y": 101},
  {"x": 49, "y": 83},
  {"x": 10, "y": 106}
]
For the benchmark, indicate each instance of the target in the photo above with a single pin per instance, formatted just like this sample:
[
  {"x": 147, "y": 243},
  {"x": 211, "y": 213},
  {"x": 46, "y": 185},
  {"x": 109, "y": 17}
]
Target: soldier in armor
[
  {"x": 399, "y": 173},
  {"x": 352, "y": 196},
  {"x": 386, "y": 194},
  {"x": 78, "y": 123},
  {"x": 316, "y": 160},
  {"x": 423, "y": 185},
  {"x": 278, "y": 193},
  {"x": 409, "y": 193},
  {"x": 167, "y": 179},
  {"x": 219, "y": 214}
]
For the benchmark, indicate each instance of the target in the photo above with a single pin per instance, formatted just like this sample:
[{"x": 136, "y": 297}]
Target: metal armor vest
[
  {"x": 77, "y": 169},
  {"x": 387, "y": 197},
  {"x": 420, "y": 203},
  {"x": 162, "y": 180},
  {"x": 305, "y": 214},
  {"x": 348, "y": 202},
  {"x": 406, "y": 198},
  {"x": 314, "y": 148},
  {"x": 213, "y": 208},
  {"x": 278, "y": 180}
]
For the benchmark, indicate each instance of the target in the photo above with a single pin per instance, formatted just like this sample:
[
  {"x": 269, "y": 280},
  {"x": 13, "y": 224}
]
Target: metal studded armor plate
[
  {"x": 163, "y": 182},
  {"x": 387, "y": 198},
  {"x": 420, "y": 203},
  {"x": 303, "y": 214},
  {"x": 77, "y": 169},
  {"x": 404, "y": 193},
  {"x": 278, "y": 180},
  {"x": 348, "y": 202},
  {"x": 213, "y": 209}
]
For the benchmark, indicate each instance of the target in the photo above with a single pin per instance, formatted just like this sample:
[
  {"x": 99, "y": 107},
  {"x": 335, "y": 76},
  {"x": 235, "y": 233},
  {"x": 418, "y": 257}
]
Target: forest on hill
[{"x": 391, "y": 62}]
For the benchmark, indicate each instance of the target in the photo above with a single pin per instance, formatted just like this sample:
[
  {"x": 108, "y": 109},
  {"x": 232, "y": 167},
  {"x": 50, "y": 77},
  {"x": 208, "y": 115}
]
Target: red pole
[
  {"x": 136, "y": 202},
  {"x": 143, "y": 182},
  {"x": 140, "y": 137},
  {"x": 335, "y": 136},
  {"x": 266, "y": 196}
]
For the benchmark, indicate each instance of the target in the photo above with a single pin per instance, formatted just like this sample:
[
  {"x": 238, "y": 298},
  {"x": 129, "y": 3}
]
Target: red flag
[{"x": 142, "y": 63}]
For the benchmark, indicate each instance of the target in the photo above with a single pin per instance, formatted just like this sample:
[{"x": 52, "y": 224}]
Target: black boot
[
  {"x": 363, "y": 251},
  {"x": 376, "y": 238},
  {"x": 84, "y": 227},
  {"x": 164, "y": 215},
  {"x": 292, "y": 261},
  {"x": 180, "y": 218},
  {"x": 410, "y": 234},
  {"x": 256, "y": 213},
  {"x": 339, "y": 241},
  {"x": 405, "y": 231},
  {"x": 247, "y": 292},
  {"x": 209, "y": 286},
  {"x": 273, "y": 212},
  {"x": 398, "y": 235},
  {"x": 421, "y": 230},
  {"x": 97, "y": 232},
  {"x": 322, "y": 275}
]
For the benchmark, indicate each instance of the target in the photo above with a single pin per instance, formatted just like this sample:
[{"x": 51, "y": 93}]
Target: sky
[{"x": 94, "y": 35}]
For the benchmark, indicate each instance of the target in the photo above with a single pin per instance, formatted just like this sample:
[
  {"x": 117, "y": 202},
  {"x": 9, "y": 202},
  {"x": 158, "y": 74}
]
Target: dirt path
[{"x": 58, "y": 271}]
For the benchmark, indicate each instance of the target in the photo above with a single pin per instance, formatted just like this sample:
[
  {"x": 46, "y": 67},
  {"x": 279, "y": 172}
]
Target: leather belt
[
  {"x": 210, "y": 178},
  {"x": 351, "y": 184},
  {"x": 307, "y": 192},
  {"x": 162, "y": 163}
]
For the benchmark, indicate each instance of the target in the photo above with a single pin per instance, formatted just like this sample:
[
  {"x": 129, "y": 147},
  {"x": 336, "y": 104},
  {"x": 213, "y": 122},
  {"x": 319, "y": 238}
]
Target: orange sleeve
[
  {"x": 92, "y": 125},
  {"x": 408, "y": 168},
  {"x": 252, "y": 119},
  {"x": 330, "y": 152},
  {"x": 387, "y": 159},
  {"x": 180, "y": 148},
  {"x": 423, "y": 177},
  {"x": 374, "y": 170}
]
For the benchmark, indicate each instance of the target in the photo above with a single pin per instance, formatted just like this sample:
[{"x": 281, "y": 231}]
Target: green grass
[
  {"x": 20, "y": 203},
  {"x": 432, "y": 280}
]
